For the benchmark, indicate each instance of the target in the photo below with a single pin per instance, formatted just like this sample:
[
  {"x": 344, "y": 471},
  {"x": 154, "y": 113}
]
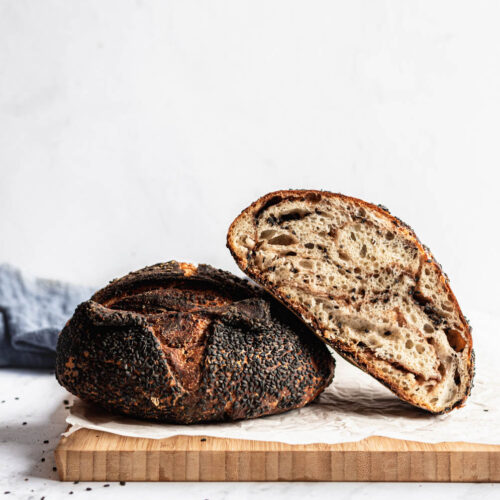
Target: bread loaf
[
  {"x": 364, "y": 283},
  {"x": 183, "y": 344}
]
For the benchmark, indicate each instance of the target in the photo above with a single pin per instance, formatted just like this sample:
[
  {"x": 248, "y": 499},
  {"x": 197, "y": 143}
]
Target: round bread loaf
[{"x": 184, "y": 344}]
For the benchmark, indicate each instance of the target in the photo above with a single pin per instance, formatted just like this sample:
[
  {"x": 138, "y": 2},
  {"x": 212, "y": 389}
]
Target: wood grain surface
[{"x": 88, "y": 455}]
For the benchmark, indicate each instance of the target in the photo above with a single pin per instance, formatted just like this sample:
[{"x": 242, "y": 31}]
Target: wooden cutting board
[{"x": 88, "y": 455}]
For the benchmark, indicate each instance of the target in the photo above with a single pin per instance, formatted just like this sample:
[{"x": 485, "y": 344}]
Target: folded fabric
[{"x": 32, "y": 313}]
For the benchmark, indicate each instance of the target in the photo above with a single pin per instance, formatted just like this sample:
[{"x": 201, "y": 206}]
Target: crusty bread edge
[{"x": 302, "y": 312}]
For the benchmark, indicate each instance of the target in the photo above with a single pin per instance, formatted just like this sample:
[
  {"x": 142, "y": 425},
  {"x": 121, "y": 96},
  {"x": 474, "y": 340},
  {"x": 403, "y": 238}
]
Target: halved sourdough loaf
[{"x": 364, "y": 283}]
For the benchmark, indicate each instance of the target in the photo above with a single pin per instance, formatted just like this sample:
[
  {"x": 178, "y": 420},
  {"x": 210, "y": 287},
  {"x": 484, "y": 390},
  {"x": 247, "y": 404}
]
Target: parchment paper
[{"x": 354, "y": 407}]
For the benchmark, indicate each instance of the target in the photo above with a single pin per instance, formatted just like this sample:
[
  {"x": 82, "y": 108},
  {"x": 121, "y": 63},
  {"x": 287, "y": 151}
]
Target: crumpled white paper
[{"x": 354, "y": 407}]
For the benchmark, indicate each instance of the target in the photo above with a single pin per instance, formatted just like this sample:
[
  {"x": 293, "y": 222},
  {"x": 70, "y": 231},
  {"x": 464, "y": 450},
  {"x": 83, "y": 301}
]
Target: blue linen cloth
[{"x": 32, "y": 313}]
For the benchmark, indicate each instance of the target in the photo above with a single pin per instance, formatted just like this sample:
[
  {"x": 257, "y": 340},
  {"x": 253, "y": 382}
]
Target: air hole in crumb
[
  {"x": 307, "y": 264},
  {"x": 457, "y": 378},
  {"x": 283, "y": 239},
  {"x": 353, "y": 238},
  {"x": 427, "y": 272},
  {"x": 363, "y": 251},
  {"x": 389, "y": 236},
  {"x": 343, "y": 255},
  {"x": 455, "y": 339},
  {"x": 420, "y": 348},
  {"x": 357, "y": 270},
  {"x": 309, "y": 245},
  {"x": 296, "y": 214},
  {"x": 409, "y": 344},
  {"x": 441, "y": 369},
  {"x": 361, "y": 212},
  {"x": 313, "y": 197},
  {"x": 428, "y": 328},
  {"x": 268, "y": 233}
]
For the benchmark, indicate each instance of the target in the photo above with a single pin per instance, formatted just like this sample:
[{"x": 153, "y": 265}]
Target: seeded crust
[
  {"x": 184, "y": 344},
  {"x": 363, "y": 282}
]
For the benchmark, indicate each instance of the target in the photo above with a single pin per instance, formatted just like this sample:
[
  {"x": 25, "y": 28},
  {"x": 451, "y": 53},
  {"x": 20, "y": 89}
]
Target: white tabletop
[{"x": 32, "y": 415}]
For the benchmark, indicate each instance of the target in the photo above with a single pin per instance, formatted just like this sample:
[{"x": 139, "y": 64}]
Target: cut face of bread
[{"x": 363, "y": 282}]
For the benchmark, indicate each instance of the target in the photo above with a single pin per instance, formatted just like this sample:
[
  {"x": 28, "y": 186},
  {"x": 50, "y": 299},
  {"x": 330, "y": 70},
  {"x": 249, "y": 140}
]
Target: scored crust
[
  {"x": 181, "y": 343},
  {"x": 363, "y": 282}
]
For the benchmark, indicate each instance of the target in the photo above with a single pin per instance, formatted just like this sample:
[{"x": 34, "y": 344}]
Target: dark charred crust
[
  {"x": 181, "y": 344},
  {"x": 170, "y": 274}
]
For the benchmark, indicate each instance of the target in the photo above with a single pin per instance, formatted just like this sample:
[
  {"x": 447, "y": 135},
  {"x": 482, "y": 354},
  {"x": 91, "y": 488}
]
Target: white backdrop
[{"x": 134, "y": 132}]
